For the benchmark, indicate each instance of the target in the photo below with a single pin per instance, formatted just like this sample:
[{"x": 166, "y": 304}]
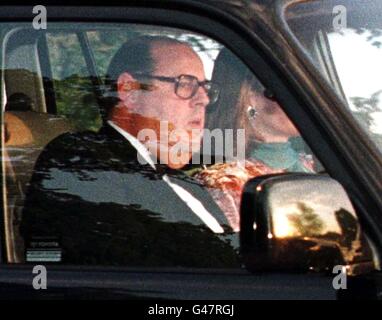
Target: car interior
[
  {"x": 29, "y": 125},
  {"x": 32, "y": 114}
]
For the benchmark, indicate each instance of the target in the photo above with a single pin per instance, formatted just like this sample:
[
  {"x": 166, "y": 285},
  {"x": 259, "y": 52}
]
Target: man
[
  {"x": 172, "y": 105},
  {"x": 117, "y": 196}
]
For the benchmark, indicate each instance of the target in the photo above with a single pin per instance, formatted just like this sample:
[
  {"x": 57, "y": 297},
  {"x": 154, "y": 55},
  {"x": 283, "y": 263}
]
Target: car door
[{"x": 70, "y": 62}]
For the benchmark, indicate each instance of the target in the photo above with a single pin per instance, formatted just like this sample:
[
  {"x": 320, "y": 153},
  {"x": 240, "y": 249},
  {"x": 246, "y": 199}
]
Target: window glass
[
  {"x": 106, "y": 42},
  {"x": 344, "y": 39},
  {"x": 155, "y": 179},
  {"x": 71, "y": 79}
]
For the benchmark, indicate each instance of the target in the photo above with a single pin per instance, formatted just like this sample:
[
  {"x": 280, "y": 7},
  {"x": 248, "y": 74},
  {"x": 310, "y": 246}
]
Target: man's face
[{"x": 161, "y": 105}]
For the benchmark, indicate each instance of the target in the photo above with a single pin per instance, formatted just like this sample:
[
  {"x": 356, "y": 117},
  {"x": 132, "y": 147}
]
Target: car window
[
  {"x": 71, "y": 80},
  {"x": 345, "y": 43},
  {"x": 166, "y": 127},
  {"x": 106, "y": 41}
]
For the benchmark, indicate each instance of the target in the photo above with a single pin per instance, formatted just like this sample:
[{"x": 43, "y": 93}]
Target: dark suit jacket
[{"x": 90, "y": 193}]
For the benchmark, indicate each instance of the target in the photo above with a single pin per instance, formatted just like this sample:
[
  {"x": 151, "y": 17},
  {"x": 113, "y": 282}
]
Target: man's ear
[{"x": 127, "y": 88}]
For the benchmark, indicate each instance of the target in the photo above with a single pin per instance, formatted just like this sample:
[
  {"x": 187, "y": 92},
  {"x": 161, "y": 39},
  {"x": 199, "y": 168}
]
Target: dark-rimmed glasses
[{"x": 187, "y": 85}]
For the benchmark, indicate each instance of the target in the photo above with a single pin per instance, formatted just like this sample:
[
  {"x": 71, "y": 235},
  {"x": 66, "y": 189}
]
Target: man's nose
[{"x": 201, "y": 99}]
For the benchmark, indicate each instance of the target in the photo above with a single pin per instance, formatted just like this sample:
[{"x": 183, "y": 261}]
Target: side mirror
[{"x": 301, "y": 223}]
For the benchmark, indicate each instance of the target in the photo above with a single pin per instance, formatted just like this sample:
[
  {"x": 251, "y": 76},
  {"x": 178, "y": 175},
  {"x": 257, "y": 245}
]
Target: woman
[{"x": 244, "y": 104}]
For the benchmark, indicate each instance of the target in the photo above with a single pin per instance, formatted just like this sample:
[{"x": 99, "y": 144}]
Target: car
[{"x": 302, "y": 235}]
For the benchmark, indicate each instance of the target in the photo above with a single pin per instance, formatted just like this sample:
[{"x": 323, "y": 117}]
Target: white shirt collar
[
  {"x": 142, "y": 150},
  {"x": 194, "y": 204}
]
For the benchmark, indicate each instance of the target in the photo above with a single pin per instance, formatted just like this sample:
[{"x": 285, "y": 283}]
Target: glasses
[{"x": 186, "y": 86}]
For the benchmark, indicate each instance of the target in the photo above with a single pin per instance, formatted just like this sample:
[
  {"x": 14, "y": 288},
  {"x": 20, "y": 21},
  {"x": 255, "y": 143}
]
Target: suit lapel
[
  {"x": 196, "y": 190},
  {"x": 125, "y": 149}
]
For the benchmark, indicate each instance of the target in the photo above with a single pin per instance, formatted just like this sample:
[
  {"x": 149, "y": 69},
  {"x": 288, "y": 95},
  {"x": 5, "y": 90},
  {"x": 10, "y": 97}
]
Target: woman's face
[{"x": 270, "y": 124}]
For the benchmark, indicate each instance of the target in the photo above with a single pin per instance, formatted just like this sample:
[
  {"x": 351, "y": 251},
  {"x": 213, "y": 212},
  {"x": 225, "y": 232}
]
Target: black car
[{"x": 315, "y": 235}]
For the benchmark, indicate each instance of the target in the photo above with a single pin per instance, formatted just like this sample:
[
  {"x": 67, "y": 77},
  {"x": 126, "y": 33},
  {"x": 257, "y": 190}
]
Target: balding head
[
  {"x": 140, "y": 56},
  {"x": 136, "y": 55}
]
